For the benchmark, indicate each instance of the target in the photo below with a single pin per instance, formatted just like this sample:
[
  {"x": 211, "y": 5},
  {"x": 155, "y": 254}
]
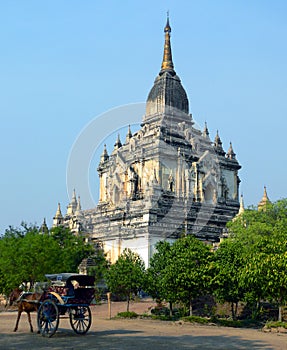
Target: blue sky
[{"x": 65, "y": 62}]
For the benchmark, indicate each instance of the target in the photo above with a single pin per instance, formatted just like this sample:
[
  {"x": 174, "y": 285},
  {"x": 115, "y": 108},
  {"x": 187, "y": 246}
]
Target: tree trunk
[
  {"x": 236, "y": 309},
  {"x": 280, "y": 313},
  {"x": 258, "y": 305},
  {"x": 232, "y": 310},
  {"x": 255, "y": 309},
  {"x": 128, "y": 303},
  {"x": 170, "y": 309},
  {"x": 190, "y": 307}
]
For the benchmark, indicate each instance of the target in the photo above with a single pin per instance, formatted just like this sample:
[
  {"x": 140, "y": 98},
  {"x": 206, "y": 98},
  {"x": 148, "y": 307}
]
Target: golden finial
[
  {"x": 264, "y": 201},
  {"x": 265, "y": 193},
  {"x": 241, "y": 208},
  {"x": 167, "y": 64},
  {"x": 167, "y": 26}
]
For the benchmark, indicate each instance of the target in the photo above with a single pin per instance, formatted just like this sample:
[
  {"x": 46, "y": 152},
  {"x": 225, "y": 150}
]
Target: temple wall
[
  {"x": 139, "y": 245},
  {"x": 144, "y": 246}
]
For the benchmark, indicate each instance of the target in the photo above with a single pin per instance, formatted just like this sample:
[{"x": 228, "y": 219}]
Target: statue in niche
[
  {"x": 171, "y": 183},
  {"x": 134, "y": 182},
  {"x": 225, "y": 192}
]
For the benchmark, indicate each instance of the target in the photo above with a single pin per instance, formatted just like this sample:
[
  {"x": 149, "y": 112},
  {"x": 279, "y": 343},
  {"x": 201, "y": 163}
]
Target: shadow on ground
[{"x": 122, "y": 339}]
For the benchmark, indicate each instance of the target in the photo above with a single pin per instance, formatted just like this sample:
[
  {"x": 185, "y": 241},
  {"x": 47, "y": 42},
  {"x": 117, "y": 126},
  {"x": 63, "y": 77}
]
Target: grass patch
[
  {"x": 248, "y": 323},
  {"x": 163, "y": 317},
  {"x": 276, "y": 324},
  {"x": 127, "y": 314},
  {"x": 195, "y": 319},
  {"x": 229, "y": 323},
  {"x": 223, "y": 322}
]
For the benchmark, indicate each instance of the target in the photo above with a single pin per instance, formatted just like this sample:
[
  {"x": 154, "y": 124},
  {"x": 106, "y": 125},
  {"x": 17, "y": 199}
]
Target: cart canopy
[{"x": 66, "y": 277}]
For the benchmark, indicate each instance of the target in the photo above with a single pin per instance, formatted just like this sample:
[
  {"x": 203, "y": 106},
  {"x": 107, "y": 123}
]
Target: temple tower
[
  {"x": 264, "y": 201},
  {"x": 166, "y": 180}
]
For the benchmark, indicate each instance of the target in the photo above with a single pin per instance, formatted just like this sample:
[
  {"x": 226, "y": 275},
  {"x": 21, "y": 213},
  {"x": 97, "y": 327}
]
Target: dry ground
[{"x": 139, "y": 334}]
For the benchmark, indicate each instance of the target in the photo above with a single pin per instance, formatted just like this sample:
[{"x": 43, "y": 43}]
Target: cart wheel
[
  {"x": 48, "y": 318},
  {"x": 80, "y": 319}
]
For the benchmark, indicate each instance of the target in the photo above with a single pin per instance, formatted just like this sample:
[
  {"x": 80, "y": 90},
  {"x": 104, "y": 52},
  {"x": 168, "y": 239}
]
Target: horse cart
[{"x": 70, "y": 294}]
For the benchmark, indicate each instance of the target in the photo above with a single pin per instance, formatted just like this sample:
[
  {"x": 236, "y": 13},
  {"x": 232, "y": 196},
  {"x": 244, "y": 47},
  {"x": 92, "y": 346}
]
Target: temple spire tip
[
  {"x": 167, "y": 27},
  {"x": 167, "y": 64}
]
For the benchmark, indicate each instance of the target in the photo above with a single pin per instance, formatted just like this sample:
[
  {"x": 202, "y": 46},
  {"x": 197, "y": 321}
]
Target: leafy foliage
[
  {"x": 195, "y": 319},
  {"x": 126, "y": 276},
  {"x": 190, "y": 272},
  {"x": 263, "y": 237},
  {"x": 180, "y": 271},
  {"x": 73, "y": 249},
  {"x": 250, "y": 265},
  {"x": 154, "y": 283},
  {"x": 275, "y": 324},
  {"x": 229, "y": 262},
  {"x": 127, "y": 314},
  {"x": 100, "y": 267},
  {"x": 26, "y": 255}
]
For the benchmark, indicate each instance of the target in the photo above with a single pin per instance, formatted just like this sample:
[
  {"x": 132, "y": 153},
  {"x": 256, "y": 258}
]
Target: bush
[
  {"x": 127, "y": 314},
  {"x": 228, "y": 323},
  {"x": 249, "y": 323},
  {"x": 160, "y": 310},
  {"x": 275, "y": 324},
  {"x": 195, "y": 319},
  {"x": 163, "y": 318}
]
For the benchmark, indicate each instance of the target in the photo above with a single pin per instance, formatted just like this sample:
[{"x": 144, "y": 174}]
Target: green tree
[
  {"x": 190, "y": 271},
  {"x": 156, "y": 284},
  {"x": 180, "y": 271},
  {"x": 73, "y": 249},
  {"x": 263, "y": 235},
  {"x": 126, "y": 275},
  {"x": 267, "y": 273},
  {"x": 266, "y": 269},
  {"x": 26, "y": 255},
  {"x": 229, "y": 261},
  {"x": 101, "y": 264}
]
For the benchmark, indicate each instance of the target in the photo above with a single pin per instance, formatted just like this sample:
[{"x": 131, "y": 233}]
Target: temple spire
[
  {"x": 218, "y": 145},
  {"x": 118, "y": 143},
  {"x": 104, "y": 156},
  {"x": 230, "y": 153},
  {"x": 167, "y": 93},
  {"x": 44, "y": 228},
  {"x": 129, "y": 134},
  {"x": 72, "y": 205},
  {"x": 167, "y": 64},
  {"x": 264, "y": 201},
  {"x": 205, "y": 132},
  {"x": 58, "y": 212},
  {"x": 74, "y": 200},
  {"x": 79, "y": 208},
  {"x": 241, "y": 208},
  {"x": 58, "y": 218}
]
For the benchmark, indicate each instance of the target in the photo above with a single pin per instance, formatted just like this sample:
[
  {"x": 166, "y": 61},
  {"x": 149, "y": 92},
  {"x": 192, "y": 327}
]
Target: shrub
[
  {"x": 195, "y": 319},
  {"x": 160, "y": 311},
  {"x": 275, "y": 324},
  {"x": 249, "y": 323},
  {"x": 127, "y": 314},
  {"x": 162, "y": 318}
]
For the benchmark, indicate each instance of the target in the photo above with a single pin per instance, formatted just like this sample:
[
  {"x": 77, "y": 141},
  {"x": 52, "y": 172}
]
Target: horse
[{"x": 26, "y": 301}]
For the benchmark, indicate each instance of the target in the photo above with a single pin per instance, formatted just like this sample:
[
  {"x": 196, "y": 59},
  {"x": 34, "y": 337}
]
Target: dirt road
[{"x": 139, "y": 334}]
